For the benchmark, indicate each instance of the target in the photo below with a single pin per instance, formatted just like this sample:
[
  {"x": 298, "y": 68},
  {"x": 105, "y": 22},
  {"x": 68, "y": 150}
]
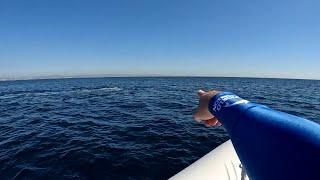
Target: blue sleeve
[{"x": 270, "y": 144}]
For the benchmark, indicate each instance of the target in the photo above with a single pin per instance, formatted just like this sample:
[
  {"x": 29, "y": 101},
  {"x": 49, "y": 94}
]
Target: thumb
[{"x": 201, "y": 93}]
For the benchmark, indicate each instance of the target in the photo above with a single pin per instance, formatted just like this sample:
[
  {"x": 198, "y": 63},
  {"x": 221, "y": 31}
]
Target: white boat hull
[{"x": 221, "y": 163}]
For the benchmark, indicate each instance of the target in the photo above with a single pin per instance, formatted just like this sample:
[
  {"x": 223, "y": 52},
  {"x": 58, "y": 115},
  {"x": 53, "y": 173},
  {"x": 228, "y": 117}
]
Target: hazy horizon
[
  {"x": 273, "y": 39},
  {"x": 142, "y": 76}
]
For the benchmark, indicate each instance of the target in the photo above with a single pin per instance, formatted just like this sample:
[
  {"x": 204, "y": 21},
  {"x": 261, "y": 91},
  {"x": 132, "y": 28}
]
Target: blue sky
[{"x": 160, "y": 37}]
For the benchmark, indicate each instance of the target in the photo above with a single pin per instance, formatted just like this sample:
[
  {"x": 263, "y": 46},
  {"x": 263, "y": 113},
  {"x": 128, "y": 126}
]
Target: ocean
[{"x": 123, "y": 128}]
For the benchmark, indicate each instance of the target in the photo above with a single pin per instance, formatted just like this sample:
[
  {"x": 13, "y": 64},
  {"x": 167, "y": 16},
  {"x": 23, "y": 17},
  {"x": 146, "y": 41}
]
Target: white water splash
[{"x": 110, "y": 89}]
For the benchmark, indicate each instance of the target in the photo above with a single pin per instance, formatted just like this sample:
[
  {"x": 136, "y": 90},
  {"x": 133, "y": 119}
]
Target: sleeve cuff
[
  {"x": 224, "y": 100},
  {"x": 228, "y": 107}
]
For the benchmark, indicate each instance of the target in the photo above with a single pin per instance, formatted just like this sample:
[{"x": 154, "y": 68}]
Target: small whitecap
[
  {"x": 47, "y": 93},
  {"x": 86, "y": 90},
  {"x": 111, "y": 89}
]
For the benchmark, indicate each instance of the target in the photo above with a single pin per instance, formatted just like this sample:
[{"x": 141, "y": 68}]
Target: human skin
[{"x": 202, "y": 113}]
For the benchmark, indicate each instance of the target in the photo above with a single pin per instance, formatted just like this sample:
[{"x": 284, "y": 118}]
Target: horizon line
[{"x": 142, "y": 76}]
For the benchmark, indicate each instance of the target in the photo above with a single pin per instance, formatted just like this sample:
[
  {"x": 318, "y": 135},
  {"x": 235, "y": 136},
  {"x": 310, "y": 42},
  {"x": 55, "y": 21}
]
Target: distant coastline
[{"x": 141, "y": 76}]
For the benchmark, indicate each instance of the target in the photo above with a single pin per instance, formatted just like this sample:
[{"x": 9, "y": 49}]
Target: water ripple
[{"x": 122, "y": 128}]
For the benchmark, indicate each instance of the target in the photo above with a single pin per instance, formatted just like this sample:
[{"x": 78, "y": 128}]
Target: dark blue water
[{"x": 123, "y": 128}]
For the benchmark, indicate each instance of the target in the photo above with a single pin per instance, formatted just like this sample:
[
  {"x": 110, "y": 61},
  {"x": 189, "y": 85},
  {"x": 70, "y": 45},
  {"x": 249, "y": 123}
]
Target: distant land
[{"x": 137, "y": 76}]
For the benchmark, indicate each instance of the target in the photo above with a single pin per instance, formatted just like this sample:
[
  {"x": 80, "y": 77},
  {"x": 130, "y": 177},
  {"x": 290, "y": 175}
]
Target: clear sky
[{"x": 160, "y": 37}]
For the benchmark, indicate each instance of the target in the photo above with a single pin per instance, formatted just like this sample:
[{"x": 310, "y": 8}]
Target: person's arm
[{"x": 270, "y": 144}]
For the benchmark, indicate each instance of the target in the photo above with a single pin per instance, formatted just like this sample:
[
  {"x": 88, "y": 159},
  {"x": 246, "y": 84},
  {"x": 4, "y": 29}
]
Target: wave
[
  {"x": 110, "y": 89},
  {"x": 47, "y": 93},
  {"x": 15, "y": 94}
]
